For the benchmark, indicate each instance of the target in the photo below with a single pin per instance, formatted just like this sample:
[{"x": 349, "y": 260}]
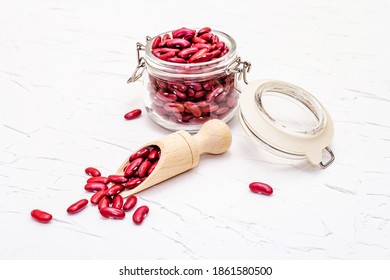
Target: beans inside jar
[{"x": 188, "y": 84}]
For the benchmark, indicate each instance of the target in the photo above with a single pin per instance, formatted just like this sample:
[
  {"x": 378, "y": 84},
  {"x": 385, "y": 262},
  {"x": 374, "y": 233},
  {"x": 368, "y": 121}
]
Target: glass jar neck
[{"x": 216, "y": 67}]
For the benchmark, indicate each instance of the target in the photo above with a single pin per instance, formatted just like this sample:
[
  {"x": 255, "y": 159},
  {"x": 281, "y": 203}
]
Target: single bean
[
  {"x": 220, "y": 46},
  {"x": 179, "y": 94},
  {"x": 156, "y": 42},
  {"x": 152, "y": 167},
  {"x": 77, "y": 206},
  {"x": 111, "y": 212},
  {"x": 41, "y": 216},
  {"x": 95, "y": 187},
  {"x": 200, "y": 46},
  {"x": 99, "y": 179},
  {"x": 154, "y": 154},
  {"x": 92, "y": 171},
  {"x": 165, "y": 50},
  {"x": 174, "y": 107},
  {"x": 144, "y": 167},
  {"x": 216, "y": 53},
  {"x": 117, "y": 201},
  {"x": 210, "y": 96},
  {"x": 206, "y": 36},
  {"x": 104, "y": 202},
  {"x": 165, "y": 96},
  {"x": 195, "y": 85},
  {"x": 215, "y": 39},
  {"x": 132, "y": 167},
  {"x": 140, "y": 214},
  {"x": 132, "y": 115},
  {"x": 131, "y": 201},
  {"x": 141, "y": 153},
  {"x": 204, "y": 30},
  {"x": 177, "y": 60},
  {"x": 95, "y": 199},
  {"x": 198, "y": 40},
  {"x": 161, "y": 84},
  {"x": 166, "y": 55},
  {"x": 117, "y": 179},
  {"x": 134, "y": 182},
  {"x": 198, "y": 55},
  {"x": 183, "y": 32},
  {"x": 185, "y": 53},
  {"x": 178, "y": 43},
  {"x": 193, "y": 108},
  {"x": 115, "y": 189},
  {"x": 262, "y": 188},
  {"x": 199, "y": 94}
]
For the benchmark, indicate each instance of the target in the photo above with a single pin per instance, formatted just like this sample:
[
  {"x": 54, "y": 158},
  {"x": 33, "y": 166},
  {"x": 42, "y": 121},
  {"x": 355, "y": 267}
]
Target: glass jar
[{"x": 183, "y": 96}]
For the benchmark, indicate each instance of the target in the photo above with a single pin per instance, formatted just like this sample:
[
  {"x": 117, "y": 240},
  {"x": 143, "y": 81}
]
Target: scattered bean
[
  {"x": 262, "y": 188},
  {"x": 41, "y": 216},
  {"x": 77, "y": 206},
  {"x": 140, "y": 214}
]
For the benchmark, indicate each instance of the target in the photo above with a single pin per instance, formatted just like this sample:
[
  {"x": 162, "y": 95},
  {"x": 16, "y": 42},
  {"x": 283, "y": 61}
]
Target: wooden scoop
[{"x": 180, "y": 152}]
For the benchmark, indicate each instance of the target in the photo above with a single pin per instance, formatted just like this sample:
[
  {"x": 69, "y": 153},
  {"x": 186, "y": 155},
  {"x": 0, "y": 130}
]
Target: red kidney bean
[
  {"x": 140, "y": 214},
  {"x": 200, "y": 46},
  {"x": 104, "y": 202},
  {"x": 177, "y": 60},
  {"x": 131, "y": 201},
  {"x": 200, "y": 57},
  {"x": 220, "y": 46},
  {"x": 193, "y": 108},
  {"x": 95, "y": 187},
  {"x": 195, "y": 85},
  {"x": 132, "y": 167},
  {"x": 161, "y": 84},
  {"x": 143, "y": 168},
  {"x": 111, "y": 212},
  {"x": 178, "y": 43},
  {"x": 215, "y": 39},
  {"x": 206, "y": 36},
  {"x": 117, "y": 201},
  {"x": 134, "y": 182},
  {"x": 165, "y": 96},
  {"x": 117, "y": 179},
  {"x": 141, "y": 153},
  {"x": 214, "y": 93},
  {"x": 179, "y": 94},
  {"x": 216, "y": 53},
  {"x": 185, "y": 53},
  {"x": 77, "y": 206},
  {"x": 262, "y": 188},
  {"x": 183, "y": 33},
  {"x": 95, "y": 199},
  {"x": 132, "y": 115},
  {"x": 92, "y": 171},
  {"x": 154, "y": 154},
  {"x": 166, "y": 37},
  {"x": 174, "y": 107},
  {"x": 204, "y": 30},
  {"x": 41, "y": 216},
  {"x": 166, "y": 55},
  {"x": 99, "y": 179},
  {"x": 198, "y": 40},
  {"x": 199, "y": 94},
  {"x": 152, "y": 167},
  {"x": 115, "y": 189},
  {"x": 156, "y": 42}
]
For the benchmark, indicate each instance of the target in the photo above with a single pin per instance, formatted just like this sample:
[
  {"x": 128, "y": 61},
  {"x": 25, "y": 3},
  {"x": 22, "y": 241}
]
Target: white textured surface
[{"x": 63, "y": 71}]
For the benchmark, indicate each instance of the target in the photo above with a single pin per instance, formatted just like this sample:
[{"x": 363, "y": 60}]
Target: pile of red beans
[
  {"x": 189, "y": 101},
  {"x": 107, "y": 189}
]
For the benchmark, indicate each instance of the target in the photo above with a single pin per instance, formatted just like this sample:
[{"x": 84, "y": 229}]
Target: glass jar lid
[{"x": 287, "y": 119}]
